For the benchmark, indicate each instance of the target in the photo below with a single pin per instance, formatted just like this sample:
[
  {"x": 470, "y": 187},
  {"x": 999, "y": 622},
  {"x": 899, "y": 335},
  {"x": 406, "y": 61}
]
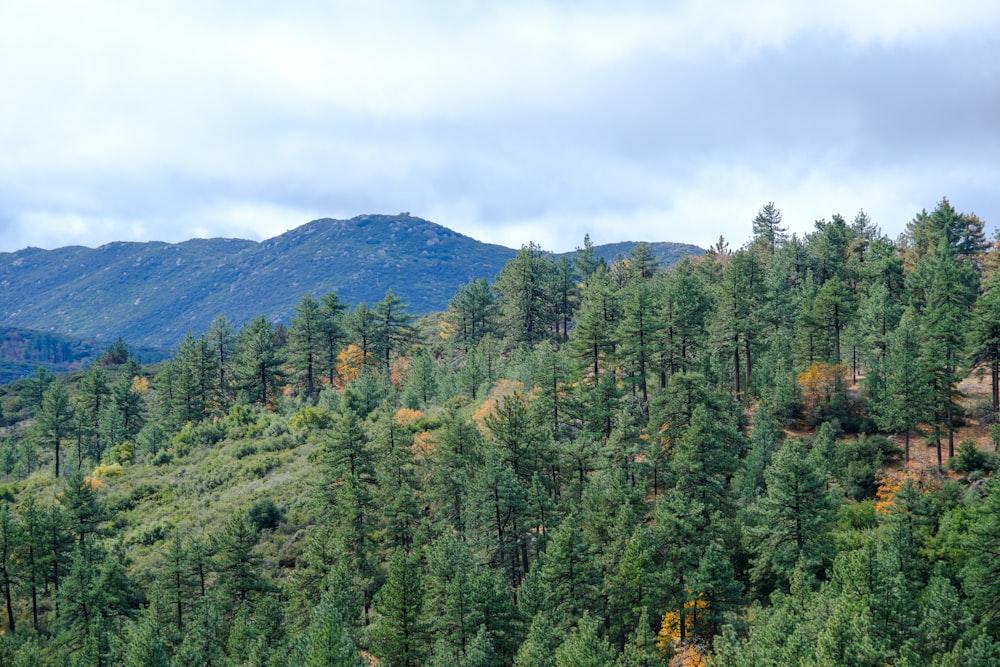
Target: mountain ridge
[{"x": 152, "y": 293}]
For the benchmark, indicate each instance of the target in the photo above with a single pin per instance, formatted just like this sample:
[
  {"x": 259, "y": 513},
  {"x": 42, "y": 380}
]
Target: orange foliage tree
[
  {"x": 823, "y": 386},
  {"x": 349, "y": 363}
]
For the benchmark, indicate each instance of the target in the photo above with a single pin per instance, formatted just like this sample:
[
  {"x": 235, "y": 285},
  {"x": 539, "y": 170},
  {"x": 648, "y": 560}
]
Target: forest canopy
[{"x": 775, "y": 455}]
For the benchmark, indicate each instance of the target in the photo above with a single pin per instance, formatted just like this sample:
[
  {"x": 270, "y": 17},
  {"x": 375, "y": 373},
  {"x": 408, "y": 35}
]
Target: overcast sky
[{"x": 507, "y": 121}]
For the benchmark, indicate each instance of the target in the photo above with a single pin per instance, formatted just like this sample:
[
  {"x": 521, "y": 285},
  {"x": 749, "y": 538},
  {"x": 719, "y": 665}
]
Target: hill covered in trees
[
  {"x": 577, "y": 463},
  {"x": 152, "y": 294}
]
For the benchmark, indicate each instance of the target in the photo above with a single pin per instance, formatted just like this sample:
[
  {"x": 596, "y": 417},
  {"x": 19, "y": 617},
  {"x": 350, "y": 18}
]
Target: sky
[{"x": 510, "y": 122}]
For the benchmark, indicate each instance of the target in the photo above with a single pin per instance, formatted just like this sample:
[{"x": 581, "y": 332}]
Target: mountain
[{"x": 151, "y": 294}]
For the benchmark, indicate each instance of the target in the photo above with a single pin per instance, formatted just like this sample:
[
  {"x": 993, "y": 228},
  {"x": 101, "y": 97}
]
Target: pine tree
[
  {"x": 767, "y": 227},
  {"x": 332, "y": 333},
  {"x": 584, "y": 648},
  {"x": 92, "y": 394},
  {"x": 594, "y": 330},
  {"x": 685, "y": 309},
  {"x": 144, "y": 644},
  {"x": 398, "y": 634},
  {"x": 128, "y": 402},
  {"x": 568, "y": 574},
  {"x": 305, "y": 343},
  {"x": 526, "y": 296},
  {"x": 52, "y": 423},
  {"x": 9, "y": 547},
  {"x": 794, "y": 518},
  {"x": 326, "y": 642},
  {"x": 902, "y": 405},
  {"x": 258, "y": 362},
  {"x": 833, "y": 308},
  {"x": 237, "y": 563},
  {"x": 31, "y": 554},
  {"x": 639, "y": 333},
  {"x": 393, "y": 327},
  {"x": 983, "y": 336},
  {"x": 948, "y": 297},
  {"x": 223, "y": 343},
  {"x": 471, "y": 314}
]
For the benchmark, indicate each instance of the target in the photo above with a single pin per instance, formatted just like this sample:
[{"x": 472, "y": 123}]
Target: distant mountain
[{"x": 152, "y": 293}]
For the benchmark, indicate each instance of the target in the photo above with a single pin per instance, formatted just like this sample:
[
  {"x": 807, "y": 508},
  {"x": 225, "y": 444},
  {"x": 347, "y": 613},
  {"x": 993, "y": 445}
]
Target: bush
[
  {"x": 162, "y": 458},
  {"x": 243, "y": 421},
  {"x": 109, "y": 470},
  {"x": 244, "y": 450},
  {"x": 264, "y": 514},
  {"x": 204, "y": 433},
  {"x": 855, "y": 462},
  {"x": 970, "y": 458},
  {"x": 982, "y": 411},
  {"x": 155, "y": 533},
  {"x": 259, "y": 467},
  {"x": 277, "y": 426},
  {"x": 123, "y": 452},
  {"x": 310, "y": 418}
]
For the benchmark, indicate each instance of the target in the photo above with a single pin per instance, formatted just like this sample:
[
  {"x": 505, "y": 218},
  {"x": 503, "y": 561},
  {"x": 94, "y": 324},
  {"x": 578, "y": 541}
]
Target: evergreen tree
[
  {"x": 538, "y": 648},
  {"x": 640, "y": 651},
  {"x": 567, "y": 574},
  {"x": 258, "y": 362},
  {"x": 566, "y": 295},
  {"x": 31, "y": 554},
  {"x": 128, "y": 402},
  {"x": 584, "y": 648},
  {"x": 594, "y": 330},
  {"x": 639, "y": 333},
  {"x": 326, "y": 642},
  {"x": 795, "y": 515},
  {"x": 949, "y": 296},
  {"x": 526, "y": 295},
  {"x": 9, "y": 546},
  {"x": 981, "y": 575},
  {"x": 92, "y": 394},
  {"x": 767, "y": 227},
  {"x": 332, "y": 333},
  {"x": 398, "y": 633},
  {"x": 237, "y": 563},
  {"x": 833, "y": 308},
  {"x": 471, "y": 314},
  {"x": 53, "y": 420},
  {"x": 223, "y": 343},
  {"x": 983, "y": 336},
  {"x": 902, "y": 405},
  {"x": 306, "y": 343},
  {"x": 144, "y": 644},
  {"x": 393, "y": 326},
  {"x": 685, "y": 308},
  {"x": 362, "y": 327}
]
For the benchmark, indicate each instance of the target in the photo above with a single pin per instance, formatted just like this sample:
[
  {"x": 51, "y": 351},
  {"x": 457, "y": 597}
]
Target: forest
[{"x": 779, "y": 454}]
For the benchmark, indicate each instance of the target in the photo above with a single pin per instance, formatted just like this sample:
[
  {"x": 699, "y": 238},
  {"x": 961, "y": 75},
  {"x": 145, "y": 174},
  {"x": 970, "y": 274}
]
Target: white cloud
[{"x": 509, "y": 121}]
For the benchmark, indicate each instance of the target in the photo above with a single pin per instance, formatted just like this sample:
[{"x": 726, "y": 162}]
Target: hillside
[
  {"x": 633, "y": 488},
  {"x": 152, "y": 293},
  {"x": 23, "y": 351}
]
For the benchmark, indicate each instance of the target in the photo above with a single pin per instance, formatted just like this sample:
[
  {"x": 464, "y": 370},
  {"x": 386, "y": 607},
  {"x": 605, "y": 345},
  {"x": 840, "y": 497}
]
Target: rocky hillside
[{"x": 152, "y": 293}]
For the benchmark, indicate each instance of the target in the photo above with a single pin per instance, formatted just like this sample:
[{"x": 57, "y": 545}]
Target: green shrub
[
  {"x": 264, "y": 514},
  {"x": 970, "y": 458},
  {"x": 201, "y": 434},
  {"x": 310, "y": 418},
  {"x": 244, "y": 450},
  {"x": 259, "y": 467},
  {"x": 243, "y": 421}
]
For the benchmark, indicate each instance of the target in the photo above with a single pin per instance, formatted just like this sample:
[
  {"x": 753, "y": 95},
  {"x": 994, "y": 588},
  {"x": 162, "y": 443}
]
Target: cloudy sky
[{"x": 508, "y": 121}]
